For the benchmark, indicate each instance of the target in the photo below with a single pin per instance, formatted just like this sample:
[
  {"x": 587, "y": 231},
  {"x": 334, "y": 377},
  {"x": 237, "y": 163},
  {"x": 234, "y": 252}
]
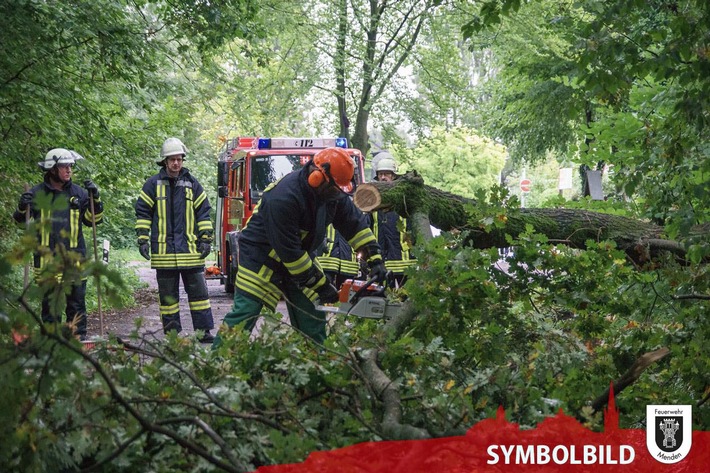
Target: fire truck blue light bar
[
  {"x": 341, "y": 142},
  {"x": 287, "y": 143}
]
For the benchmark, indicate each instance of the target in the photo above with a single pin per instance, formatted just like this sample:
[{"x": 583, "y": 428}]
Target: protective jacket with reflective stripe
[
  {"x": 394, "y": 243},
  {"x": 338, "y": 256},
  {"x": 174, "y": 214},
  {"x": 66, "y": 220},
  {"x": 279, "y": 241}
]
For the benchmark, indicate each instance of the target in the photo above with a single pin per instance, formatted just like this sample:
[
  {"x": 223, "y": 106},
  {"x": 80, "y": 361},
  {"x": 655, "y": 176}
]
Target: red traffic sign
[{"x": 525, "y": 185}]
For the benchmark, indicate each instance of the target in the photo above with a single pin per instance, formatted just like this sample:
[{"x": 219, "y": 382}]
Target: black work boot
[{"x": 207, "y": 337}]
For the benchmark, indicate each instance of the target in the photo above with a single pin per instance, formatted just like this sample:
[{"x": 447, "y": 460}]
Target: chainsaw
[{"x": 363, "y": 299}]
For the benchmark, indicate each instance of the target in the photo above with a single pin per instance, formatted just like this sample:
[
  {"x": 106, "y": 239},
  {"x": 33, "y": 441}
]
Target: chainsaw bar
[
  {"x": 372, "y": 305},
  {"x": 368, "y": 307}
]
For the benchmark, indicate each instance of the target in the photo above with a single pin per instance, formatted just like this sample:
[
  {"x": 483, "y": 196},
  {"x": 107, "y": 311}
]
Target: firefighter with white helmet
[
  {"x": 175, "y": 233},
  {"x": 64, "y": 231},
  {"x": 396, "y": 245},
  {"x": 278, "y": 244},
  {"x": 384, "y": 163}
]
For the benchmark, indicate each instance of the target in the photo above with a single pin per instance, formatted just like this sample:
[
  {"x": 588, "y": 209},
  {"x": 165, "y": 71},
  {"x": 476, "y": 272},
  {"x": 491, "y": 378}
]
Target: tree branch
[
  {"x": 702, "y": 297},
  {"x": 387, "y": 392},
  {"x": 123, "y": 402},
  {"x": 630, "y": 377}
]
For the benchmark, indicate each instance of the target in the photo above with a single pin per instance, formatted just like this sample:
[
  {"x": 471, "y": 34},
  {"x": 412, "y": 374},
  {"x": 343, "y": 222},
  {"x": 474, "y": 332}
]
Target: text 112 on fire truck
[{"x": 246, "y": 166}]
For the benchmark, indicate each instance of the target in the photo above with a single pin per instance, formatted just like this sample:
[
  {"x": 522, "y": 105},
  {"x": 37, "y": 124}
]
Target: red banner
[{"x": 557, "y": 444}]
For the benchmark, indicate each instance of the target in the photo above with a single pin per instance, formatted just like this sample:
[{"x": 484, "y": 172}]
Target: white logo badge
[{"x": 669, "y": 432}]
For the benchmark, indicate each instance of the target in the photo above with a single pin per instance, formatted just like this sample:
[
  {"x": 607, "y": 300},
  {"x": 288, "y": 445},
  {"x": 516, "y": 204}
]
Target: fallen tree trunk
[{"x": 409, "y": 195}]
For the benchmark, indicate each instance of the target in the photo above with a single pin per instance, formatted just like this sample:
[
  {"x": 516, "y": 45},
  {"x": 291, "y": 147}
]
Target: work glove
[
  {"x": 377, "y": 270},
  {"x": 144, "y": 250},
  {"x": 25, "y": 201},
  {"x": 309, "y": 278},
  {"x": 205, "y": 249},
  {"x": 91, "y": 188},
  {"x": 328, "y": 294}
]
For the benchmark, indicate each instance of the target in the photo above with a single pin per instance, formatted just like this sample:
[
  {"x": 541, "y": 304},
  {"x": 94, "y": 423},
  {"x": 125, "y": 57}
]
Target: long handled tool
[
  {"x": 27, "y": 225},
  {"x": 20, "y": 335},
  {"x": 96, "y": 259}
]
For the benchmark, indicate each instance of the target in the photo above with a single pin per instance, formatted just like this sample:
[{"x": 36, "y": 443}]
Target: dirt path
[{"x": 122, "y": 322}]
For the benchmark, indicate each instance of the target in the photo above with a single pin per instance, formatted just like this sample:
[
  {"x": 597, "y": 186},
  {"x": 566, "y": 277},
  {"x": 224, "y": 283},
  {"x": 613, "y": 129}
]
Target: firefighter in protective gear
[
  {"x": 175, "y": 233},
  {"x": 59, "y": 229},
  {"x": 394, "y": 233},
  {"x": 389, "y": 165},
  {"x": 338, "y": 260},
  {"x": 278, "y": 244}
]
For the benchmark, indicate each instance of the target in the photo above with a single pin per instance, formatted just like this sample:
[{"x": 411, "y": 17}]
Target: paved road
[{"x": 123, "y": 322}]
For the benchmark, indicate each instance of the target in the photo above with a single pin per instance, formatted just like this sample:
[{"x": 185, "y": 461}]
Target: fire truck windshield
[{"x": 268, "y": 169}]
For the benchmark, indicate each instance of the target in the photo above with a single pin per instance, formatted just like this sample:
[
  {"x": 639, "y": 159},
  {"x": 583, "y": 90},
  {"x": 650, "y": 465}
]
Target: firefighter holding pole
[{"x": 61, "y": 229}]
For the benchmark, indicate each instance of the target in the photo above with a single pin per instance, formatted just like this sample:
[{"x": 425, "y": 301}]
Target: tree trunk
[
  {"x": 409, "y": 195},
  {"x": 360, "y": 137},
  {"x": 340, "y": 70}
]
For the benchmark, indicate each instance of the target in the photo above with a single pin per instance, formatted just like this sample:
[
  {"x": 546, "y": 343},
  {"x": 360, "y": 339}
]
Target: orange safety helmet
[{"x": 336, "y": 164}]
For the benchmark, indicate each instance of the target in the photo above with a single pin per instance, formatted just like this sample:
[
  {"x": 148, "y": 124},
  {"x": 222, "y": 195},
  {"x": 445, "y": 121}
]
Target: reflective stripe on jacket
[
  {"x": 174, "y": 214},
  {"x": 395, "y": 244},
  {"x": 338, "y": 255},
  {"x": 66, "y": 220},
  {"x": 279, "y": 241}
]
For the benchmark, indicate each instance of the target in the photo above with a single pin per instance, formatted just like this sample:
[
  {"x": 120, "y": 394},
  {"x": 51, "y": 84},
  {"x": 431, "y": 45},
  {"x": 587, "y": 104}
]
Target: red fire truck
[{"x": 247, "y": 165}]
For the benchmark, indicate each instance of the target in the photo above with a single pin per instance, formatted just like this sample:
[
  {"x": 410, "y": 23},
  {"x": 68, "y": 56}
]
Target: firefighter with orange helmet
[{"x": 278, "y": 244}]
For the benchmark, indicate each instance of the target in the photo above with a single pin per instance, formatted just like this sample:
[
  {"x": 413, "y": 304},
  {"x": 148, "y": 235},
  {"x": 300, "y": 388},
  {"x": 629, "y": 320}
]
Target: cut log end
[{"x": 367, "y": 198}]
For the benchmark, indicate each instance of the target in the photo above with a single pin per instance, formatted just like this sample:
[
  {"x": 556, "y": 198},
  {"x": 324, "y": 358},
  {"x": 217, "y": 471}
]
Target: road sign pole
[{"x": 525, "y": 186}]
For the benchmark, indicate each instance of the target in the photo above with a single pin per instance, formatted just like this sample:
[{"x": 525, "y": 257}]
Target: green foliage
[
  {"x": 531, "y": 102},
  {"x": 443, "y": 70},
  {"x": 547, "y": 328},
  {"x": 118, "y": 280},
  {"x": 458, "y": 160},
  {"x": 619, "y": 83},
  {"x": 211, "y": 24},
  {"x": 110, "y": 80}
]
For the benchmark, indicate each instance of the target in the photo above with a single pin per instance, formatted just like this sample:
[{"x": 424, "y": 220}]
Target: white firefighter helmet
[
  {"x": 171, "y": 147},
  {"x": 384, "y": 162},
  {"x": 59, "y": 156}
]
